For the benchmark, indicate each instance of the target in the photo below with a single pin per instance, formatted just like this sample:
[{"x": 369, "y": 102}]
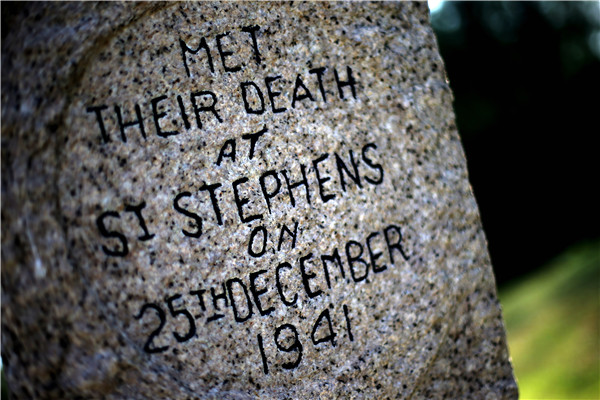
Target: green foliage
[
  {"x": 4, "y": 387},
  {"x": 552, "y": 320}
]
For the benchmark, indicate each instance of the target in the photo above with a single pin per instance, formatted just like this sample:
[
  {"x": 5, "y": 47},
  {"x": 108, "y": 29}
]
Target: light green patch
[{"x": 553, "y": 324}]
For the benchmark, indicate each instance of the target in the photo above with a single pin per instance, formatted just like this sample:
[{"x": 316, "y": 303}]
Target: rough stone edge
[{"x": 448, "y": 380}]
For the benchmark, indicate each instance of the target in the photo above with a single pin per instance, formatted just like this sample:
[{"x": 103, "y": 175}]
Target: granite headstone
[{"x": 239, "y": 200}]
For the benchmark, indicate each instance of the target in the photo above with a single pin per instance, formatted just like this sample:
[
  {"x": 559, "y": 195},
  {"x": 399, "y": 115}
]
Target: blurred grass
[{"x": 552, "y": 320}]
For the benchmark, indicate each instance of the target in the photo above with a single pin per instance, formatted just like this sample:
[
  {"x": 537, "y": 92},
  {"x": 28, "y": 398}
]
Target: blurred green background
[
  {"x": 526, "y": 82},
  {"x": 552, "y": 319}
]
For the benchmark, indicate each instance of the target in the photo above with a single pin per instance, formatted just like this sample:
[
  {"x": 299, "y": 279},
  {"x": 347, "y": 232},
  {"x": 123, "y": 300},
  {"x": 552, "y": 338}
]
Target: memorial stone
[{"x": 239, "y": 200}]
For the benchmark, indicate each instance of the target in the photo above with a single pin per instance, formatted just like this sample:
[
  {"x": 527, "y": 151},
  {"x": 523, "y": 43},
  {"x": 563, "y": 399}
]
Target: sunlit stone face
[{"x": 263, "y": 200}]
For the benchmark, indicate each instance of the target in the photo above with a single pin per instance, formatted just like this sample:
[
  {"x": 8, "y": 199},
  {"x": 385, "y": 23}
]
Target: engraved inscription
[{"x": 264, "y": 204}]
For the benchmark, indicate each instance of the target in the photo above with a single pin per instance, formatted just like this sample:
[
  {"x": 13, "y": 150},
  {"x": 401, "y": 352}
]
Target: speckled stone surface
[{"x": 239, "y": 201}]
